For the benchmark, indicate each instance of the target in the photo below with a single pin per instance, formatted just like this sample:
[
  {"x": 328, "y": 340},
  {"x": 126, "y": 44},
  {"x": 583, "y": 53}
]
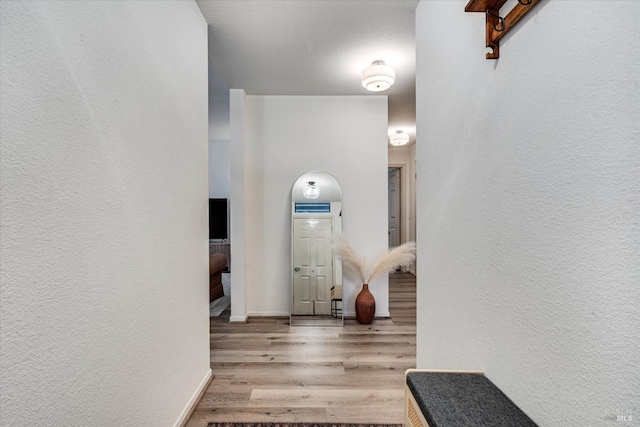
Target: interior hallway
[{"x": 266, "y": 370}]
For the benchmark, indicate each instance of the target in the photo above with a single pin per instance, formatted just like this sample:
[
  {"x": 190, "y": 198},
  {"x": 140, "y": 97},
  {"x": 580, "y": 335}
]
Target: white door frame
[
  {"x": 399, "y": 219},
  {"x": 404, "y": 185}
]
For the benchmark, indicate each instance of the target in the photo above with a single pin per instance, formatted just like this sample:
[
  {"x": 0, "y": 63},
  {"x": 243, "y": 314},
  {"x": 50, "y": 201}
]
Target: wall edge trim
[
  {"x": 238, "y": 319},
  {"x": 195, "y": 399}
]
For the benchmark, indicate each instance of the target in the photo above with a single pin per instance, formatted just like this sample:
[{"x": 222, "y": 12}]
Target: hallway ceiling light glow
[
  {"x": 378, "y": 77},
  {"x": 399, "y": 139},
  {"x": 311, "y": 191}
]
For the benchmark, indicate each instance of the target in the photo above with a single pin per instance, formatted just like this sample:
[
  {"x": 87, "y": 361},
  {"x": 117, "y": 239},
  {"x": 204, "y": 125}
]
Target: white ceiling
[{"x": 315, "y": 47}]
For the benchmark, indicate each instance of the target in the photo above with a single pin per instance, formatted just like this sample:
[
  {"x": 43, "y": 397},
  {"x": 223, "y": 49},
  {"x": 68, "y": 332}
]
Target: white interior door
[
  {"x": 394, "y": 207},
  {"x": 312, "y": 266}
]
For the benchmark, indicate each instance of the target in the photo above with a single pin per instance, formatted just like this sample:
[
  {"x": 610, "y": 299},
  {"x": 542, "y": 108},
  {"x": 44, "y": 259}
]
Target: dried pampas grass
[
  {"x": 399, "y": 256},
  {"x": 349, "y": 257}
]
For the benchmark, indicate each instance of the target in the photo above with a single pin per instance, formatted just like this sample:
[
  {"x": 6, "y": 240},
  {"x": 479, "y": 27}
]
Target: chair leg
[{"x": 334, "y": 307}]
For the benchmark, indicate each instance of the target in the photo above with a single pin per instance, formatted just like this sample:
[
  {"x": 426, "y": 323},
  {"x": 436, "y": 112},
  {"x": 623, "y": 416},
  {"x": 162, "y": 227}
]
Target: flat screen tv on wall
[{"x": 217, "y": 219}]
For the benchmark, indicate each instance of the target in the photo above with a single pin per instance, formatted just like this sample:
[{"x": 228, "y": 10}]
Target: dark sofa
[{"x": 217, "y": 263}]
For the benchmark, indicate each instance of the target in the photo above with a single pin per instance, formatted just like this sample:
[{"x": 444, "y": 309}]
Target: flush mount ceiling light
[
  {"x": 399, "y": 138},
  {"x": 378, "y": 77},
  {"x": 311, "y": 191}
]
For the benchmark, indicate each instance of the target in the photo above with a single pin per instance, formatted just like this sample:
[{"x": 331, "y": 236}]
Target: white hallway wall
[
  {"x": 529, "y": 206},
  {"x": 219, "y": 169},
  {"x": 287, "y": 136},
  {"x": 104, "y": 216},
  {"x": 219, "y": 135}
]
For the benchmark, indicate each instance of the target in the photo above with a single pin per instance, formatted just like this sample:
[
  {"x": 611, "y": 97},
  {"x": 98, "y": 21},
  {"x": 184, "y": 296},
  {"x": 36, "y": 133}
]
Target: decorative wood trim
[
  {"x": 413, "y": 416},
  {"x": 497, "y": 27},
  {"x": 446, "y": 371}
]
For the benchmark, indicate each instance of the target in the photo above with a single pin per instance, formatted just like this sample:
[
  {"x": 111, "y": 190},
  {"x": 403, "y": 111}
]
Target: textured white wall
[
  {"x": 104, "y": 212},
  {"x": 529, "y": 205},
  {"x": 288, "y": 136}
]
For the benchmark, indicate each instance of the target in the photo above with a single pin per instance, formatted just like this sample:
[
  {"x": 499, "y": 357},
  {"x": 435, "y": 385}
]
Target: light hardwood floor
[{"x": 266, "y": 370}]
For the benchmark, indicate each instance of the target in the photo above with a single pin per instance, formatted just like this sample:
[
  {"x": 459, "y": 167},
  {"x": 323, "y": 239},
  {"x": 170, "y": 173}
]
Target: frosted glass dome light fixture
[
  {"x": 378, "y": 77},
  {"x": 311, "y": 191},
  {"x": 399, "y": 138}
]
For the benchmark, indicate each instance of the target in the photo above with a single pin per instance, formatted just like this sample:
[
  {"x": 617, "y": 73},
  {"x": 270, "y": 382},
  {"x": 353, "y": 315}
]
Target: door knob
[{"x": 296, "y": 269}]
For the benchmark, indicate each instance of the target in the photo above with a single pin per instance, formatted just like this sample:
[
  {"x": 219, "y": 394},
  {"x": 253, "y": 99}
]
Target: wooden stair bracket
[{"x": 496, "y": 26}]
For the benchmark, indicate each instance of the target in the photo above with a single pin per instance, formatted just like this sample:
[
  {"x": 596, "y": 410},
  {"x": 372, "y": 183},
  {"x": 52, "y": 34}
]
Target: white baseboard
[
  {"x": 268, "y": 314},
  {"x": 238, "y": 319},
  {"x": 195, "y": 399}
]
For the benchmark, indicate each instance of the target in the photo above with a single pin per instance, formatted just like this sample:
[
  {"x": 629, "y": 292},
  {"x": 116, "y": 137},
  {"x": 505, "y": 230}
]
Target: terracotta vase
[{"x": 365, "y": 306}]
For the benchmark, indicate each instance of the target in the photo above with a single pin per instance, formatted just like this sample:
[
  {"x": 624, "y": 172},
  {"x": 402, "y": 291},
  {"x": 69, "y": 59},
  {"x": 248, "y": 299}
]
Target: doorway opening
[{"x": 395, "y": 206}]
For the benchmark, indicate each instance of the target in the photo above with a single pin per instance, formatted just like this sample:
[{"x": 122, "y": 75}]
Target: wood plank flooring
[{"x": 266, "y": 370}]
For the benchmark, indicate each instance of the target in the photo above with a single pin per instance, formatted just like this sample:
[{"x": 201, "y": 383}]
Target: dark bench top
[{"x": 462, "y": 399}]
